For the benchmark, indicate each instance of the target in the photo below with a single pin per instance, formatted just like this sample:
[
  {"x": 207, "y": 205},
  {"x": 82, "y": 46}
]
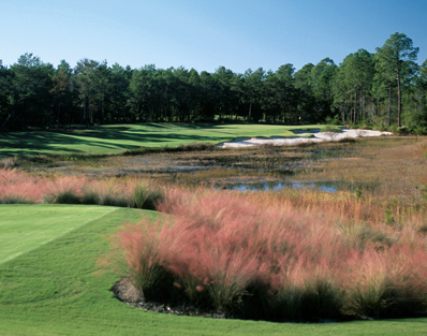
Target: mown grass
[
  {"x": 117, "y": 138},
  {"x": 57, "y": 290},
  {"x": 40, "y": 225}
]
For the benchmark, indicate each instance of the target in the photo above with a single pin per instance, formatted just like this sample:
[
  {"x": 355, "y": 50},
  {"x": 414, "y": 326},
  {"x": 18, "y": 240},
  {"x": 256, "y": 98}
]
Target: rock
[{"x": 125, "y": 291}]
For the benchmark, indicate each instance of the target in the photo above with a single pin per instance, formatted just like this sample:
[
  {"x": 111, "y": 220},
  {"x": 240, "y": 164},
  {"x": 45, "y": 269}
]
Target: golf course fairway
[
  {"x": 109, "y": 139},
  {"x": 52, "y": 283}
]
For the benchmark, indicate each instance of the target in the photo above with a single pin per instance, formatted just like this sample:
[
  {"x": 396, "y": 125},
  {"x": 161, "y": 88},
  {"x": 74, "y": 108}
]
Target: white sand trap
[{"x": 318, "y": 136}]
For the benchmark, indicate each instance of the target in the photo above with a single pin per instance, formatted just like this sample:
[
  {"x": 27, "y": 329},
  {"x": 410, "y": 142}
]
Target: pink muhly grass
[
  {"x": 66, "y": 189},
  {"x": 386, "y": 283},
  {"x": 16, "y": 184},
  {"x": 177, "y": 198},
  {"x": 223, "y": 244},
  {"x": 142, "y": 254},
  {"x": 228, "y": 244}
]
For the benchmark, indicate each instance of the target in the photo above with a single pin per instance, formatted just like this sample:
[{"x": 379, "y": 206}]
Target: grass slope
[
  {"x": 54, "y": 291},
  {"x": 116, "y": 138},
  {"x": 38, "y": 225}
]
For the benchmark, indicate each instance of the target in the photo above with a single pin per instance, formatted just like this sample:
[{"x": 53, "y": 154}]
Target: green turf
[
  {"x": 39, "y": 225},
  {"x": 117, "y": 138},
  {"x": 56, "y": 290}
]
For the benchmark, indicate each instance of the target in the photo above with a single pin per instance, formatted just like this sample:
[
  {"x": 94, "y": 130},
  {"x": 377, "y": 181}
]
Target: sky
[{"x": 205, "y": 34}]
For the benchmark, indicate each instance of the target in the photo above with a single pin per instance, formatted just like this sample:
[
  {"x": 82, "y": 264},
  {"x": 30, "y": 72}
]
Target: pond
[{"x": 326, "y": 186}]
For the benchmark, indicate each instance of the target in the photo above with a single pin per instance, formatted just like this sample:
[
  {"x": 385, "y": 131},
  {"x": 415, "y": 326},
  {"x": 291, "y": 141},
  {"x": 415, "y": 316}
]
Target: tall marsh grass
[
  {"x": 248, "y": 259},
  {"x": 291, "y": 255},
  {"x": 20, "y": 187}
]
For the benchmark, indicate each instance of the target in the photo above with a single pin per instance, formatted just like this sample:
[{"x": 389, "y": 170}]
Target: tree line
[{"x": 385, "y": 89}]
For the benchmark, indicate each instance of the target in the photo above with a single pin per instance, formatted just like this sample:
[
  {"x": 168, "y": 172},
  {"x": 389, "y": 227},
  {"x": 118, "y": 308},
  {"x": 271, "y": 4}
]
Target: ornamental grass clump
[
  {"x": 143, "y": 256},
  {"x": 66, "y": 197},
  {"x": 145, "y": 196},
  {"x": 11, "y": 199},
  {"x": 19, "y": 187},
  {"x": 226, "y": 252}
]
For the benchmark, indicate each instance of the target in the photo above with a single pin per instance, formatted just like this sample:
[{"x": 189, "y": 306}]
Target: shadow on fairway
[{"x": 38, "y": 142}]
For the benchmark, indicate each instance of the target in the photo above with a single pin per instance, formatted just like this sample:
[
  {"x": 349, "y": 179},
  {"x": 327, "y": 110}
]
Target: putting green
[{"x": 36, "y": 225}]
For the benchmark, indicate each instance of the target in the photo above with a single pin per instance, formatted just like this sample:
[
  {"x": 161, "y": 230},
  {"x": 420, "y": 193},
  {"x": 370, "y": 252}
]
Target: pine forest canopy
[{"x": 384, "y": 89}]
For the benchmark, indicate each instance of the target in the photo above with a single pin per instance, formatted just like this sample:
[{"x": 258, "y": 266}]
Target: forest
[{"x": 383, "y": 90}]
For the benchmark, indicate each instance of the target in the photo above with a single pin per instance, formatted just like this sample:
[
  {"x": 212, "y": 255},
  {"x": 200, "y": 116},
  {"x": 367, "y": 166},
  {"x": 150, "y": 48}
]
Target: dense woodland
[{"x": 385, "y": 89}]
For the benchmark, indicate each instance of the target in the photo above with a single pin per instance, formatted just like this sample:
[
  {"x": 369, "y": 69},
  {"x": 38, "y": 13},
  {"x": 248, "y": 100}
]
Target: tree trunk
[
  {"x": 389, "y": 104},
  {"x": 399, "y": 100},
  {"x": 342, "y": 113},
  {"x": 7, "y": 119},
  {"x": 102, "y": 110},
  {"x": 59, "y": 113},
  {"x": 91, "y": 115},
  {"x": 87, "y": 113},
  {"x": 355, "y": 99}
]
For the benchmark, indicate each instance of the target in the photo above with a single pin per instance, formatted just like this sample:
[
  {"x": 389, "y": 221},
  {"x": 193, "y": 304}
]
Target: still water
[{"x": 328, "y": 186}]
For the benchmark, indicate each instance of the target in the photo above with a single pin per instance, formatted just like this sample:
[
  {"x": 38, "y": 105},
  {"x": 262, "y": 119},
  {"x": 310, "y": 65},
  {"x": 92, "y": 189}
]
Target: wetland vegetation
[
  {"x": 354, "y": 251},
  {"x": 375, "y": 205},
  {"x": 389, "y": 164}
]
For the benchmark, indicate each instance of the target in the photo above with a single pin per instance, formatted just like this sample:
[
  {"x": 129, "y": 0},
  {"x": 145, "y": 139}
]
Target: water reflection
[{"x": 326, "y": 186}]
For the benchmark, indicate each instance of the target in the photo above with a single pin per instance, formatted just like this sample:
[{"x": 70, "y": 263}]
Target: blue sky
[{"x": 206, "y": 34}]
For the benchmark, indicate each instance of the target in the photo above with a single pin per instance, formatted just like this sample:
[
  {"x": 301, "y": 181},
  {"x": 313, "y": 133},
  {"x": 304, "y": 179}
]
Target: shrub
[
  {"x": 181, "y": 148},
  {"x": 203, "y": 120},
  {"x": 195, "y": 147},
  {"x": 331, "y": 131},
  {"x": 333, "y": 121},
  {"x": 402, "y": 130},
  {"x": 331, "y": 128},
  {"x": 392, "y": 128}
]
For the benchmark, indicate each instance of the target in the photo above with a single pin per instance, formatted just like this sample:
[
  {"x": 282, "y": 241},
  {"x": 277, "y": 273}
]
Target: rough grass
[
  {"x": 385, "y": 166},
  {"x": 55, "y": 290},
  {"x": 393, "y": 165}
]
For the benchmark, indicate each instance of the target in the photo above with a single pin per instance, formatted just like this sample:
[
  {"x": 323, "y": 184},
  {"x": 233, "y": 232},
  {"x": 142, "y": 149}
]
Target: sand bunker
[{"x": 318, "y": 136}]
